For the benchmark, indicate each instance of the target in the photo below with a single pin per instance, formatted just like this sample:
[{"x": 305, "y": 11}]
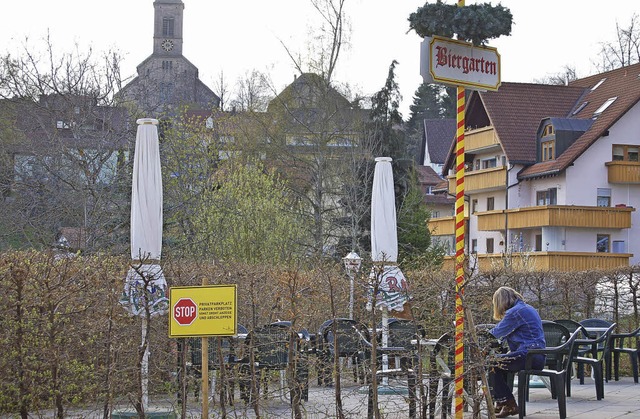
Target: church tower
[
  {"x": 167, "y": 27},
  {"x": 166, "y": 80}
]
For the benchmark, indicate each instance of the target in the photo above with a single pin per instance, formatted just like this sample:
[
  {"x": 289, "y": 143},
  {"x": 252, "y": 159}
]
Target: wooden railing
[
  {"x": 623, "y": 172},
  {"x": 544, "y": 261},
  {"x": 478, "y": 180},
  {"x": 554, "y": 261},
  {"x": 480, "y": 138},
  {"x": 442, "y": 226},
  {"x": 555, "y": 215}
]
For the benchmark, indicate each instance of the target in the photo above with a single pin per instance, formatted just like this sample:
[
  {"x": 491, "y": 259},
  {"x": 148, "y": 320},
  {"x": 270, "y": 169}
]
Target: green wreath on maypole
[{"x": 475, "y": 23}]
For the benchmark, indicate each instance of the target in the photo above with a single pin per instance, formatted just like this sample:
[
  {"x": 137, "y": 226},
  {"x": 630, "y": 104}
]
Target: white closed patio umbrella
[
  {"x": 145, "y": 285},
  {"x": 386, "y": 276}
]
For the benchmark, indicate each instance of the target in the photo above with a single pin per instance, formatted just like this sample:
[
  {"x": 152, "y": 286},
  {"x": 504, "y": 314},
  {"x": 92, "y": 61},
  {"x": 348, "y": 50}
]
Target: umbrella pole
[
  {"x": 385, "y": 343},
  {"x": 145, "y": 366}
]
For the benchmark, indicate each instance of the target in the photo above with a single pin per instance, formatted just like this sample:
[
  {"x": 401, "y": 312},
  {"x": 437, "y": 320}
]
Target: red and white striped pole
[{"x": 459, "y": 209}]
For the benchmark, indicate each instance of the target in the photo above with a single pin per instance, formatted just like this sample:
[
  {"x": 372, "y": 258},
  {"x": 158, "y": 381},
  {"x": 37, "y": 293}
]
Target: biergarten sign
[
  {"x": 201, "y": 311},
  {"x": 459, "y": 63}
]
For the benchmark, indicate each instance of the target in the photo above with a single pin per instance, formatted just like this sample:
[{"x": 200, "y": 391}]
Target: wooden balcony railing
[
  {"x": 442, "y": 226},
  {"x": 623, "y": 172},
  {"x": 481, "y": 138},
  {"x": 554, "y": 261},
  {"x": 555, "y": 216},
  {"x": 546, "y": 261},
  {"x": 481, "y": 180}
]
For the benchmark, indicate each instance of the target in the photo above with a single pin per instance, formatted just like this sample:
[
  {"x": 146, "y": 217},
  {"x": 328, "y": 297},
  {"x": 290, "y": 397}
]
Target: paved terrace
[{"x": 622, "y": 400}]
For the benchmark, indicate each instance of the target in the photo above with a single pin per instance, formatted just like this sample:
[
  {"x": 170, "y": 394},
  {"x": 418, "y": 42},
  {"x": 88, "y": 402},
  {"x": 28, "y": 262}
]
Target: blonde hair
[{"x": 503, "y": 299}]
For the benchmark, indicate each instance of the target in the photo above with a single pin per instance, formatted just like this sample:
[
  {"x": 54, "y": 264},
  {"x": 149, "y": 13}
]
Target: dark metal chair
[
  {"x": 618, "y": 347},
  {"x": 341, "y": 337},
  {"x": 478, "y": 356},
  {"x": 274, "y": 347},
  {"x": 558, "y": 377},
  {"x": 223, "y": 366}
]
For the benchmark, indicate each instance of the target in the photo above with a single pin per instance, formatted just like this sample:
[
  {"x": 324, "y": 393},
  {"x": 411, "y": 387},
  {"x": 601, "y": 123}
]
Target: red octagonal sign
[{"x": 185, "y": 311}]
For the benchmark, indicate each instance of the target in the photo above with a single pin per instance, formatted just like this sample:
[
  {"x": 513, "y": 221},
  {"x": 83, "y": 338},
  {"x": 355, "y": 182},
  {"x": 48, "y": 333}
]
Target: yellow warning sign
[{"x": 199, "y": 311}]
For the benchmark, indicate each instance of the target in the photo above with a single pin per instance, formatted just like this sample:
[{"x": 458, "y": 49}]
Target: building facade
[
  {"x": 552, "y": 175},
  {"x": 166, "y": 80}
]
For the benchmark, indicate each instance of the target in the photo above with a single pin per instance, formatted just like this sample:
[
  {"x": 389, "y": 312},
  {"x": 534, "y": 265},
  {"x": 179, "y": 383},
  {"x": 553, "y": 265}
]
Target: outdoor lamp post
[{"x": 352, "y": 264}]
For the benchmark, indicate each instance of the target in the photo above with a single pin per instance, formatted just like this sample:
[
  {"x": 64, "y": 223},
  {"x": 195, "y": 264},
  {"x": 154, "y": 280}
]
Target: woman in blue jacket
[{"x": 520, "y": 325}]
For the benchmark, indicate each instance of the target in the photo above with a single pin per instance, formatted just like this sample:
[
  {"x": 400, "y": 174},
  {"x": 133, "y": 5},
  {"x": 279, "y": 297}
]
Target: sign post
[
  {"x": 463, "y": 65},
  {"x": 203, "y": 311}
]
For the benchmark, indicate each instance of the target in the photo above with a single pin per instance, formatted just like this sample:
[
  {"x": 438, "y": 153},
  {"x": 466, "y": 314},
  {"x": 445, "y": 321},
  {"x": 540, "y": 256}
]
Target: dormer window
[
  {"x": 548, "y": 150},
  {"x": 548, "y": 130}
]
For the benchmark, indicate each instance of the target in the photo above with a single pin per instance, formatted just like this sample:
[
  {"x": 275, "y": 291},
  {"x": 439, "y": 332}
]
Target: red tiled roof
[
  {"x": 622, "y": 83},
  {"x": 427, "y": 176},
  {"x": 516, "y": 109}
]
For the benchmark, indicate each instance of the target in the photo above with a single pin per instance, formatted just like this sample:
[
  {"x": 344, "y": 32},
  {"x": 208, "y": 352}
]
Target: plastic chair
[
  {"x": 558, "y": 377},
  {"x": 618, "y": 347},
  {"x": 578, "y": 350},
  {"x": 596, "y": 357},
  {"x": 555, "y": 334}
]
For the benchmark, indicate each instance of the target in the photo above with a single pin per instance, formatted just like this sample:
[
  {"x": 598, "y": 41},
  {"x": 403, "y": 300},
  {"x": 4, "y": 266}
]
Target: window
[
  {"x": 474, "y": 206},
  {"x": 165, "y": 92},
  {"x": 604, "y": 197},
  {"x": 538, "y": 243},
  {"x": 477, "y": 164},
  {"x": 622, "y": 152},
  {"x": 167, "y": 26},
  {"x": 490, "y": 203},
  {"x": 548, "y": 130},
  {"x": 598, "y": 84},
  {"x": 618, "y": 246},
  {"x": 602, "y": 243},
  {"x": 474, "y": 246},
  {"x": 489, "y": 245},
  {"x": 489, "y": 163},
  {"x": 548, "y": 150},
  {"x": 579, "y": 108},
  {"x": 547, "y": 197},
  {"x": 604, "y": 106},
  {"x": 167, "y": 65}
]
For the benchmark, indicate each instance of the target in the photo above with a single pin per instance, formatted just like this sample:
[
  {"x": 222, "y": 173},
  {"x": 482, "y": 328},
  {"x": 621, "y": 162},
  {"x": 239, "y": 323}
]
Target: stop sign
[{"x": 185, "y": 311}]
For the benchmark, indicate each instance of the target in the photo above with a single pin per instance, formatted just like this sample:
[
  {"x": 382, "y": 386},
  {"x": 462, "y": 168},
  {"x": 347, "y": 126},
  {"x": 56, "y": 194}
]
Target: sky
[{"x": 234, "y": 37}]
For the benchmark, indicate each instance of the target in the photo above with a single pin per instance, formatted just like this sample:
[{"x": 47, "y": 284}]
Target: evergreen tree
[{"x": 413, "y": 234}]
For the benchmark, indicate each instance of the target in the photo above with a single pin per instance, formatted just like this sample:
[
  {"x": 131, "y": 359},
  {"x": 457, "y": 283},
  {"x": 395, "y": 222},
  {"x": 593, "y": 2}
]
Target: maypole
[
  {"x": 464, "y": 65},
  {"x": 459, "y": 209}
]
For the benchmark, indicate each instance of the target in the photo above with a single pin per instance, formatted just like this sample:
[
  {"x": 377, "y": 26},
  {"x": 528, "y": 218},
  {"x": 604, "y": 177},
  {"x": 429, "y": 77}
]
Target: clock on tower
[{"x": 167, "y": 44}]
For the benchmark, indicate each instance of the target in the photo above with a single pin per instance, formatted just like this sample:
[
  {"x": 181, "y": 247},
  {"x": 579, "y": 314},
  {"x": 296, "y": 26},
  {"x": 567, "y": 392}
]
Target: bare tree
[
  {"x": 63, "y": 144},
  {"x": 624, "y": 51}
]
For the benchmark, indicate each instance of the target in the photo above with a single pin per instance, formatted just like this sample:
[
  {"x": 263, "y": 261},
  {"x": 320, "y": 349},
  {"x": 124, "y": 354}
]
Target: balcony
[
  {"x": 480, "y": 180},
  {"x": 555, "y": 216},
  {"x": 626, "y": 172},
  {"x": 554, "y": 261},
  {"x": 546, "y": 261},
  {"x": 444, "y": 226},
  {"x": 481, "y": 139}
]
